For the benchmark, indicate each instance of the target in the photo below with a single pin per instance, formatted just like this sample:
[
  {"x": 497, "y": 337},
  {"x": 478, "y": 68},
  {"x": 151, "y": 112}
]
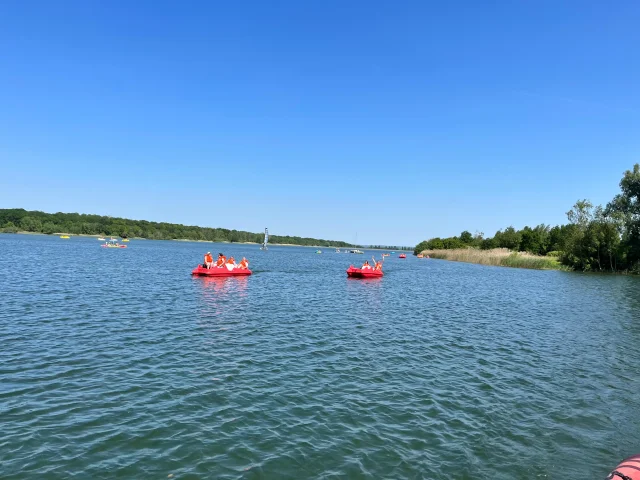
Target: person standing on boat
[
  {"x": 378, "y": 266},
  {"x": 221, "y": 260},
  {"x": 208, "y": 260}
]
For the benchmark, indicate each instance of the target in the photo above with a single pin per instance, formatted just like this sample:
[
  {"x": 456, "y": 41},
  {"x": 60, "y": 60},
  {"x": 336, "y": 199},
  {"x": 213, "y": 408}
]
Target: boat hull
[
  {"x": 113, "y": 246},
  {"x": 353, "y": 272},
  {"x": 220, "y": 272}
]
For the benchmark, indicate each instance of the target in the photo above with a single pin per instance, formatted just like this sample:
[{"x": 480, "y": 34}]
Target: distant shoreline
[
  {"x": 19, "y": 220},
  {"x": 57, "y": 234}
]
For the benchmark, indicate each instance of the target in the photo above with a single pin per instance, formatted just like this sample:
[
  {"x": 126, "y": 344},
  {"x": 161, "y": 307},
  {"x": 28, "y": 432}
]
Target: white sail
[{"x": 266, "y": 239}]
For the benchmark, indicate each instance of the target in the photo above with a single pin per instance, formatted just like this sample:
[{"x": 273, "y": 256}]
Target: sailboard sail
[{"x": 266, "y": 239}]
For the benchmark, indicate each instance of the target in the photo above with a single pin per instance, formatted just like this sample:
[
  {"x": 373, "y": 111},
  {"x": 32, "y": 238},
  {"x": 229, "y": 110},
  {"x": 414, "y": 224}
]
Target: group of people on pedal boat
[
  {"x": 222, "y": 261},
  {"x": 367, "y": 266}
]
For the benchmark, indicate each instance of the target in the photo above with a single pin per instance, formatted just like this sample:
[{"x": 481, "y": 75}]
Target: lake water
[{"x": 118, "y": 364}]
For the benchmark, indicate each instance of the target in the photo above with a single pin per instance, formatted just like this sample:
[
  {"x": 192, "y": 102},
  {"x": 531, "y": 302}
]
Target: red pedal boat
[
  {"x": 402, "y": 255},
  {"x": 220, "y": 272},
  {"x": 354, "y": 272}
]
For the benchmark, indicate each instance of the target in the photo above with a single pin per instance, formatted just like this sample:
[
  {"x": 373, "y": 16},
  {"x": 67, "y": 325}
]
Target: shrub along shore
[{"x": 597, "y": 239}]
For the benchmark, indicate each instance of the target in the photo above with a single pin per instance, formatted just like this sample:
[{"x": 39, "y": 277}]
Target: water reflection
[
  {"x": 366, "y": 291},
  {"x": 222, "y": 286},
  {"x": 220, "y": 294}
]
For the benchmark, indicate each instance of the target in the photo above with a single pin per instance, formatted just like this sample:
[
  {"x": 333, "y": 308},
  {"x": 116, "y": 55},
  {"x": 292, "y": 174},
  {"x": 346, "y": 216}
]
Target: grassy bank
[{"x": 499, "y": 257}]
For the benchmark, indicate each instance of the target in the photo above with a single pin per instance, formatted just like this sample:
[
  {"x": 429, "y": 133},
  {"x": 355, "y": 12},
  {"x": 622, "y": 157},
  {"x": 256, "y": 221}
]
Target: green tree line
[
  {"x": 596, "y": 238},
  {"x": 14, "y": 220},
  {"x": 390, "y": 247}
]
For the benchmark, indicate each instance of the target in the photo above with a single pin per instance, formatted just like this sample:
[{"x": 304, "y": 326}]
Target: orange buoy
[{"x": 628, "y": 469}]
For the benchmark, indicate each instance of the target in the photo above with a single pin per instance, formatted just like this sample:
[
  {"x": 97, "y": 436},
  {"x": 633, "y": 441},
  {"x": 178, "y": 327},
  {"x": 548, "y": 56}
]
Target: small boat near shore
[
  {"x": 64, "y": 237},
  {"x": 113, "y": 243},
  {"x": 224, "y": 271},
  {"x": 402, "y": 255},
  {"x": 354, "y": 272},
  {"x": 355, "y": 250},
  {"x": 101, "y": 239}
]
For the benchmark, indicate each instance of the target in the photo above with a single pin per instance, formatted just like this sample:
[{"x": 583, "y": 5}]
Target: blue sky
[{"x": 396, "y": 121}]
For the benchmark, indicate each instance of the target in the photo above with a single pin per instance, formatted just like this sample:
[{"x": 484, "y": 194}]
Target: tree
[
  {"x": 609, "y": 228},
  {"x": 510, "y": 238},
  {"x": 581, "y": 213},
  {"x": 452, "y": 243},
  {"x": 48, "y": 228},
  {"x": 466, "y": 238},
  {"x": 558, "y": 236},
  {"x": 424, "y": 245},
  {"x": 10, "y": 227},
  {"x": 534, "y": 240},
  {"x": 488, "y": 244},
  {"x": 436, "y": 244},
  {"x": 577, "y": 244},
  {"x": 627, "y": 205},
  {"x": 30, "y": 224},
  {"x": 478, "y": 238}
]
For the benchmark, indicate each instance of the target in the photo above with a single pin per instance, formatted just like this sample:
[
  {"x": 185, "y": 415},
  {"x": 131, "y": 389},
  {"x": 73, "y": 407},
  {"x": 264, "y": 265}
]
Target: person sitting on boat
[
  {"x": 365, "y": 265},
  {"x": 221, "y": 260},
  {"x": 378, "y": 266},
  {"x": 208, "y": 260},
  {"x": 231, "y": 263},
  {"x": 244, "y": 264}
]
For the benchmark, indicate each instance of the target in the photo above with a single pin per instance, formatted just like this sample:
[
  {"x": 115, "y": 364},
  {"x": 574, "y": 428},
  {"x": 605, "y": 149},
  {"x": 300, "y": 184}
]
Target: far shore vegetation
[
  {"x": 18, "y": 220},
  {"x": 14, "y": 220},
  {"x": 596, "y": 238}
]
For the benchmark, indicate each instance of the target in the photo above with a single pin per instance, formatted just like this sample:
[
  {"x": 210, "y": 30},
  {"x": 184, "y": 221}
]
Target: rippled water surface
[{"x": 119, "y": 364}]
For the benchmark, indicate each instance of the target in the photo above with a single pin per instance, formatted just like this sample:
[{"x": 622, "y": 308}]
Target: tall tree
[
  {"x": 577, "y": 244},
  {"x": 627, "y": 204}
]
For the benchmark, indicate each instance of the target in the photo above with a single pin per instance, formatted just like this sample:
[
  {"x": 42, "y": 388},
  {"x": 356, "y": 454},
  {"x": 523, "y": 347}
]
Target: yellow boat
[
  {"x": 64, "y": 236},
  {"x": 125, "y": 239}
]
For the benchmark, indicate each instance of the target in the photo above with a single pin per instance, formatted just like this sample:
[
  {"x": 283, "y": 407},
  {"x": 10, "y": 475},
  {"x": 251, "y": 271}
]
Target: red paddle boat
[
  {"x": 354, "y": 272},
  {"x": 220, "y": 271}
]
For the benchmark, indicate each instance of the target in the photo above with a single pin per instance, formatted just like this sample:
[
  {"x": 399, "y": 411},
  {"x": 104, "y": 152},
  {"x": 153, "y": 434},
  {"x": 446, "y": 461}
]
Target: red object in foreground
[
  {"x": 366, "y": 273},
  {"x": 220, "y": 272},
  {"x": 402, "y": 255},
  {"x": 629, "y": 467}
]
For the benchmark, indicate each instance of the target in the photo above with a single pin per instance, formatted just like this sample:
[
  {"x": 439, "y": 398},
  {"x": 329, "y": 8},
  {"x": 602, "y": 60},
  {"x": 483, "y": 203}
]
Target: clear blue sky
[{"x": 398, "y": 121}]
